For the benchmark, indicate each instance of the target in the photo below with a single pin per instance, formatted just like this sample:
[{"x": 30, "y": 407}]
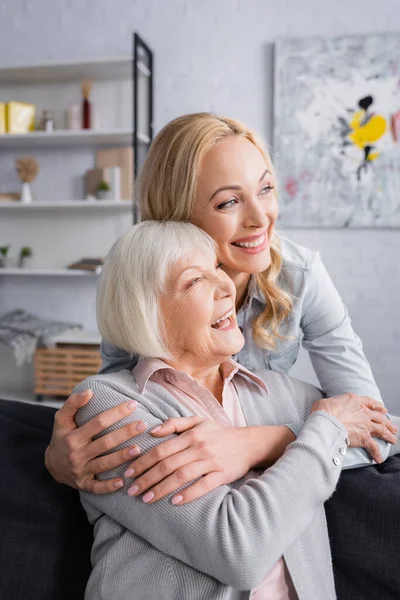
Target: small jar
[
  {"x": 74, "y": 116},
  {"x": 47, "y": 123}
]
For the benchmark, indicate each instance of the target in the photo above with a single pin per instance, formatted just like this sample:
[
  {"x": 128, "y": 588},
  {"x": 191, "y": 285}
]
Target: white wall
[{"x": 217, "y": 55}]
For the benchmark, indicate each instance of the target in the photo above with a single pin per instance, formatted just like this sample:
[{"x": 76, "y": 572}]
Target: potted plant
[
  {"x": 25, "y": 255},
  {"x": 103, "y": 191},
  {"x": 3, "y": 255}
]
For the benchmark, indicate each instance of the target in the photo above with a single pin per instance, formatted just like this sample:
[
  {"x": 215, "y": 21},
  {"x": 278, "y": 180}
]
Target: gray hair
[{"x": 134, "y": 275}]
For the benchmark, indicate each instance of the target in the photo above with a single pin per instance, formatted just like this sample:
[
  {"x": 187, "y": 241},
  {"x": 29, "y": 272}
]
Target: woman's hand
[
  {"x": 72, "y": 456},
  {"x": 205, "y": 449},
  {"x": 364, "y": 418}
]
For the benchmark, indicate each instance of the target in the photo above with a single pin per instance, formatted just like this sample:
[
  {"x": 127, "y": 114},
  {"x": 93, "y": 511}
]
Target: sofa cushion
[{"x": 45, "y": 538}]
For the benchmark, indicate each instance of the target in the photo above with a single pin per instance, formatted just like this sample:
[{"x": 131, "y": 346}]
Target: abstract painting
[{"x": 337, "y": 131}]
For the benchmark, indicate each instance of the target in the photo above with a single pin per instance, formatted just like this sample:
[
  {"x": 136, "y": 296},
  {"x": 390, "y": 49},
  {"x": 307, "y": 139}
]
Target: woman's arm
[
  {"x": 234, "y": 535},
  {"x": 335, "y": 350}
]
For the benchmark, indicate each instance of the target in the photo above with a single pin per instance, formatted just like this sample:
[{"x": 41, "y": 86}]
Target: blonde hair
[
  {"x": 132, "y": 279},
  {"x": 167, "y": 191}
]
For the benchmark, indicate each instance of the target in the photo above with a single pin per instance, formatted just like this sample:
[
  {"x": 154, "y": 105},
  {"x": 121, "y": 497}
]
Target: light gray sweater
[{"x": 223, "y": 544}]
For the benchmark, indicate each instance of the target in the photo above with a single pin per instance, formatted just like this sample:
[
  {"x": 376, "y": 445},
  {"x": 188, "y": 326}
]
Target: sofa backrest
[{"x": 45, "y": 538}]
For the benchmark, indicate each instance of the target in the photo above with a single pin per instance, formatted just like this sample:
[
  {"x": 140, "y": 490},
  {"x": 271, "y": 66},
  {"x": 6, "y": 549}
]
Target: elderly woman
[{"x": 163, "y": 296}]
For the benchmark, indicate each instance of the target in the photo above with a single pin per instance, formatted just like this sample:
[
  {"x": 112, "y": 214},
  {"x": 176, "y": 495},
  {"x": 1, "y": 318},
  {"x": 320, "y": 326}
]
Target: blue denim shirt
[{"x": 319, "y": 321}]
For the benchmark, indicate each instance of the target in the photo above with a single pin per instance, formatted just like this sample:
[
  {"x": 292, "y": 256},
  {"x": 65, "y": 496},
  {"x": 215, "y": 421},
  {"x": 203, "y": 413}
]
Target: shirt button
[
  {"x": 342, "y": 451},
  {"x": 336, "y": 461}
]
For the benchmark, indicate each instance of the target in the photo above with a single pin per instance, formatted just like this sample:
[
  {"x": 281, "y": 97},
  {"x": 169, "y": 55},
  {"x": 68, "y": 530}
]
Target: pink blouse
[{"x": 277, "y": 584}]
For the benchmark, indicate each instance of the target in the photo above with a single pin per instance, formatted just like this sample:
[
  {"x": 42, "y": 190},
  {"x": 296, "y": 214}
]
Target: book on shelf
[{"x": 87, "y": 264}]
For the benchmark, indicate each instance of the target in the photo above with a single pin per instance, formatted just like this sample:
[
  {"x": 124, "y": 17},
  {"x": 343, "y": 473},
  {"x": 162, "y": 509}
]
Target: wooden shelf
[
  {"x": 120, "y": 205},
  {"x": 68, "y": 138},
  {"x": 106, "y": 69},
  {"x": 25, "y": 272}
]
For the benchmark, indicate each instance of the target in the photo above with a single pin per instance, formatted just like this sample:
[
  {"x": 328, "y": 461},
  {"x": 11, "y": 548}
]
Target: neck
[
  {"x": 241, "y": 281},
  {"x": 208, "y": 376}
]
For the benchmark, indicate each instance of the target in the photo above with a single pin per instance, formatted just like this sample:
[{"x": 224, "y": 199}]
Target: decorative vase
[
  {"x": 104, "y": 195},
  {"x": 3, "y": 261},
  {"x": 25, "y": 262},
  {"x": 26, "y": 194}
]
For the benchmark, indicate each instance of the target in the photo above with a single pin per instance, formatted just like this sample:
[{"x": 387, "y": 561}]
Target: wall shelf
[
  {"x": 5, "y": 271},
  {"x": 120, "y": 205},
  {"x": 106, "y": 69},
  {"x": 68, "y": 138}
]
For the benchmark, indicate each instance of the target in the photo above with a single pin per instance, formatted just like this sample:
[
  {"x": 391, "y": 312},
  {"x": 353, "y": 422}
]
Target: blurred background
[{"x": 226, "y": 56}]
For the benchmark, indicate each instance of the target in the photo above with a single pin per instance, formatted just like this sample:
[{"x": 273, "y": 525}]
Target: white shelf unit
[
  {"x": 69, "y": 138},
  {"x": 5, "y": 271},
  {"x": 95, "y": 205},
  {"x": 52, "y": 85},
  {"x": 97, "y": 69}
]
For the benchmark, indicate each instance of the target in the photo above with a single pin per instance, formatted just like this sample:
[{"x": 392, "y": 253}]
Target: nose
[
  {"x": 255, "y": 213},
  {"x": 224, "y": 286}
]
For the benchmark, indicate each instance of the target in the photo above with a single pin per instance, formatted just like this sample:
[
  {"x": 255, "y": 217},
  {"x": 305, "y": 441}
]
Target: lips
[
  {"x": 250, "y": 238},
  {"x": 223, "y": 317}
]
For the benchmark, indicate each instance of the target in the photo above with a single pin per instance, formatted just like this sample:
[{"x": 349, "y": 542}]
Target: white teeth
[
  {"x": 223, "y": 317},
  {"x": 258, "y": 242}
]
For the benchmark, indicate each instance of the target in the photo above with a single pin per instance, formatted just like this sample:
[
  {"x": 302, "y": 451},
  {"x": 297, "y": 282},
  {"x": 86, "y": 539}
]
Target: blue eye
[
  {"x": 267, "y": 189},
  {"x": 227, "y": 204},
  {"x": 194, "y": 281}
]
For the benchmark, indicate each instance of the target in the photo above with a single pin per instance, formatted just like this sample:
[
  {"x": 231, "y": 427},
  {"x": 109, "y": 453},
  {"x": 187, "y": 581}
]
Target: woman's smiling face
[
  {"x": 236, "y": 205},
  {"x": 198, "y": 311}
]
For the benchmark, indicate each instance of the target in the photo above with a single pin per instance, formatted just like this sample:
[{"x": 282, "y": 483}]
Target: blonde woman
[{"x": 216, "y": 173}]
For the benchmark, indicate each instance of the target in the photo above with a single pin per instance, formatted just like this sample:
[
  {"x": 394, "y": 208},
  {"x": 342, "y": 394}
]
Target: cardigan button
[
  {"x": 336, "y": 461},
  {"x": 342, "y": 451}
]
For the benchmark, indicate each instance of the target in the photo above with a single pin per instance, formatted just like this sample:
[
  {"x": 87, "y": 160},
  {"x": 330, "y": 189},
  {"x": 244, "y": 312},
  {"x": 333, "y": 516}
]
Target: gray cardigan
[{"x": 228, "y": 540}]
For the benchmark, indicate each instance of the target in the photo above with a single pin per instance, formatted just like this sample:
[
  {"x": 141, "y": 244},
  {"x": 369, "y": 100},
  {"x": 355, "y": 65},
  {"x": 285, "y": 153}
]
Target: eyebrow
[{"x": 236, "y": 187}]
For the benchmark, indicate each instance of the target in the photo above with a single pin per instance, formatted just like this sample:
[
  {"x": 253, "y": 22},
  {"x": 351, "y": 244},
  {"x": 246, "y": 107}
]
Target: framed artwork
[{"x": 337, "y": 131}]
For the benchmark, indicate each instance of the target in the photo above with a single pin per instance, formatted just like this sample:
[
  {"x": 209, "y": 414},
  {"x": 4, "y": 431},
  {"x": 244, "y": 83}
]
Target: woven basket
[{"x": 57, "y": 370}]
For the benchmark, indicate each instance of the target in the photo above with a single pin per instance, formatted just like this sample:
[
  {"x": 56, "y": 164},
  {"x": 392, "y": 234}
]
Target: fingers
[
  {"x": 157, "y": 455},
  {"x": 381, "y": 426},
  {"x": 198, "y": 489},
  {"x": 102, "y": 487},
  {"x": 373, "y": 404},
  {"x": 180, "y": 465},
  {"x": 64, "y": 417},
  {"x": 104, "y": 420},
  {"x": 176, "y": 480},
  {"x": 110, "y": 461},
  {"x": 372, "y": 448},
  {"x": 109, "y": 441},
  {"x": 177, "y": 425}
]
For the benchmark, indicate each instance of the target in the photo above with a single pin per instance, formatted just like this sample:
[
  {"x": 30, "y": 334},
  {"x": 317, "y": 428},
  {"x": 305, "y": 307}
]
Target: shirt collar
[
  {"x": 253, "y": 291},
  {"x": 146, "y": 367}
]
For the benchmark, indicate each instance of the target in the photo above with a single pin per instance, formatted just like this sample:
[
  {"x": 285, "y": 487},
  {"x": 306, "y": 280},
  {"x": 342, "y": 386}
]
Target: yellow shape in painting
[{"x": 364, "y": 135}]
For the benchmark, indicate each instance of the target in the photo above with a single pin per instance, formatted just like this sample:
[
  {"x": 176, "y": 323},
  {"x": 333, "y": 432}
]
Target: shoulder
[
  {"x": 295, "y": 256},
  {"x": 112, "y": 389},
  {"x": 121, "y": 382}
]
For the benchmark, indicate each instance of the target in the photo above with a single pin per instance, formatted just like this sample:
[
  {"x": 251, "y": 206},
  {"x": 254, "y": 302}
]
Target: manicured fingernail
[
  {"x": 86, "y": 393},
  {"x": 147, "y": 497},
  {"x": 133, "y": 451},
  {"x": 141, "y": 426},
  {"x": 132, "y": 490},
  {"x": 118, "y": 484},
  {"x": 129, "y": 472},
  {"x": 177, "y": 499},
  {"x": 155, "y": 429},
  {"x": 132, "y": 405}
]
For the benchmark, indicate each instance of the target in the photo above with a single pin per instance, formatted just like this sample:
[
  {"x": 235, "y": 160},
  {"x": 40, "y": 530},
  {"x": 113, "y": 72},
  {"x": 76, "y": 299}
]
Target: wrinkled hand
[
  {"x": 364, "y": 418},
  {"x": 205, "y": 449},
  {"x": 74, "y": 458}
]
